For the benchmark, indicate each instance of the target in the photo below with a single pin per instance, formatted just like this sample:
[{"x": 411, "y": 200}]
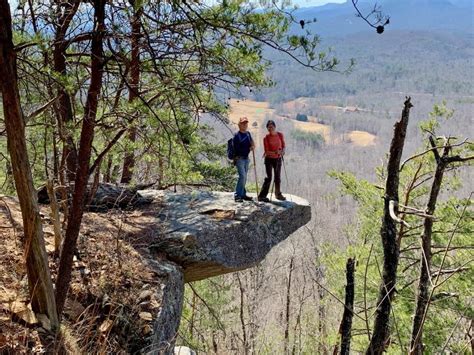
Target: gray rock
[
  {"x": 203, "y": 234},
  {"x": 209, "y": 234},
  {"x": 166, "y": 322}
]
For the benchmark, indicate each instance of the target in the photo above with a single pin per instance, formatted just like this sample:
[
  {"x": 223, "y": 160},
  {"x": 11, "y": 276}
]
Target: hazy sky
[
  {"x": 300, "y": 3},
  {"x": 307, "y": 3}
]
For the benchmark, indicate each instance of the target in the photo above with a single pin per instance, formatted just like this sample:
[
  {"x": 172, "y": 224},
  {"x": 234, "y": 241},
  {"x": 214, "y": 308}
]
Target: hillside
[
  {"x": 433, "y": 15},
  {"x": 260, "y": 112},
  {"x": 130, "y": 268}
]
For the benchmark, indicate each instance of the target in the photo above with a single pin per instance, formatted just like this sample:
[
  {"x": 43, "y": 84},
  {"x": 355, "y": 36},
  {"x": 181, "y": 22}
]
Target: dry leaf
[
  {"x": 146, "y": 316},
  {"x": 106, "y": 326},
  {"x": 7, "y": 295},
  {"x": 146, "y": 329},
  {"x": 22, "y": 311}
]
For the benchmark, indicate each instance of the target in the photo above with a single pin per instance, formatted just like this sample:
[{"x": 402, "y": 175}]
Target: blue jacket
[{"x": 242, "y": 144}]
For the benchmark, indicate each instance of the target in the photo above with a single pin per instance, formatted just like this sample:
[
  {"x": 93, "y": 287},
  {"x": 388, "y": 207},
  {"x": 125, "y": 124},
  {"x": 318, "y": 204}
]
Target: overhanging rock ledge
[{"x": 209, "y": 234}]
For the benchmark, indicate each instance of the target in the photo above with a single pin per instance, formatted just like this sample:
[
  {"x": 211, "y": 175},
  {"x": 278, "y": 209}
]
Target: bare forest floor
[{"x": 110, "y": 303}]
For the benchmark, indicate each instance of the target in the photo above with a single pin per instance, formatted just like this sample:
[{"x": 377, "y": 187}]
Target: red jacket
[{"x": 273, "y": 145}]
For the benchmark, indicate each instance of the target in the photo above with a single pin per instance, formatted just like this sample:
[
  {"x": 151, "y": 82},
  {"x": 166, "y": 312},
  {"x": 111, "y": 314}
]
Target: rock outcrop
[
  {"x": 209, "y": 234},
  {"x": 205, "y": 234}
]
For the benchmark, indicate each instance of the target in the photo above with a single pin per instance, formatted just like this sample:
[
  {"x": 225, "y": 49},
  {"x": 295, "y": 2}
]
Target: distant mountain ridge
[{"x": 430, "y": 15}]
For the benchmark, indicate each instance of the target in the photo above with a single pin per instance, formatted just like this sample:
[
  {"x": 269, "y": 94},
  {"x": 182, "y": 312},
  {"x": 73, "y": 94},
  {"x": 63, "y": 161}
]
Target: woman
[{"x": 274, "y": 145}]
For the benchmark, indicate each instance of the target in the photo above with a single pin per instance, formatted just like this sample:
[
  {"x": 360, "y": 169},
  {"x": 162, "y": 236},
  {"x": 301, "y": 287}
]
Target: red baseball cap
[{"x": 243, "y": 120}]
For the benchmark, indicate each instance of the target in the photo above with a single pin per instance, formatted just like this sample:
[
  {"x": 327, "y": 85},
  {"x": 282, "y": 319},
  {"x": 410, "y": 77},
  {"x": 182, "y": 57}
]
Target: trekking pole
[
  {"x": 255, "y": 170},
  {"x": 286, "y": 176},
  {"x": 271, "y": 193}
]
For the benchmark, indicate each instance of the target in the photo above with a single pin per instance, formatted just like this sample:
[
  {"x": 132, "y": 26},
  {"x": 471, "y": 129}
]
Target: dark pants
[{"x": 272, "y": 165}]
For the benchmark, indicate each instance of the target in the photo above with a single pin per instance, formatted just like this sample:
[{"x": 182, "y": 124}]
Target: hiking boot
[
  {"x": 278, "y": 194},
  {"x": 280, "y": 197},
  {"x": 247, "y": 198},
  {"x": 263, "y": 199},
  {"x": 238, "y": 199}
]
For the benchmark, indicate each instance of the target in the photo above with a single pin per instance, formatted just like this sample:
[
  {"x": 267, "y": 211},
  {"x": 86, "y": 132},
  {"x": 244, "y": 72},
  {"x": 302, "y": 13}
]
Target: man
[
  {"x": 243, "y": 144},
  {"x": 274, "y": 145}
]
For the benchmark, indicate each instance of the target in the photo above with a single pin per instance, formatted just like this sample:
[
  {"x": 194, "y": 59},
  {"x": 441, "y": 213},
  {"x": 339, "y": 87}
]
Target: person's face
[
  {"x": 271, "y": 128},
  {"x": 243, "y": 126}
]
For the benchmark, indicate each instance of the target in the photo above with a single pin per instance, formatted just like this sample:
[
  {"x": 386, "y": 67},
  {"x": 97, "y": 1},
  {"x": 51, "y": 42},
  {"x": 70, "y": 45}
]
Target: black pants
[{"x": 272, "y": 165}]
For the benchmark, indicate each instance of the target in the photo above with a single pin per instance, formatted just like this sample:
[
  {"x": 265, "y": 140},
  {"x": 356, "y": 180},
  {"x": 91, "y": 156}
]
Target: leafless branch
[{"x": 394, "y": 216}]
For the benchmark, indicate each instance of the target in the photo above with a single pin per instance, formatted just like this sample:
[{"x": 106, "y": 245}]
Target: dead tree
[
  {"x": 242, "y": 316},
  {"x": 39, "y": 277},
  {"x": 85, "y": 148},
  {"x": 388, "y": 233},
  {"x": 423, "y": 296},
  {"x": 288, "y": 305},
  {"x": 346, "y": 323}
]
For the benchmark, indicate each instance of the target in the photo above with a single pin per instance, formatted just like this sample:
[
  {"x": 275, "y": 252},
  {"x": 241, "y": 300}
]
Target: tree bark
[
  {"x": 129, "y": 159},
  {"x": 39, "y": 277},
  {"x": 388, "y": 232},
  {"x": 346, "y": 323},
  {"x": 425, "y": 259},
  {"x": 242, "y": 318},
  {"x": 53, "y": 202},
  {"x": 85, "y": 148},
  {"x": 64, "y": 113},
  {"x": 288, "y": 307}
]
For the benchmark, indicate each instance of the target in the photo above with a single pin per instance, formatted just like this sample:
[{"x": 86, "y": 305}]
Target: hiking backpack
[{"x": 231, "y": 148}]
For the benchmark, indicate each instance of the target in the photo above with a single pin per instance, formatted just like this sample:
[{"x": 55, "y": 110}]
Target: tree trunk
[
  {"x": 39, "y": 277},
  {"x": 388, "y": 232},
  {"x": 425, "y": 259},
  {"x": 287, "y": 308},
  {"x": 53, "y": 202},
  {"x": 129, "y": 160},
  {"x": 63, "y": 111},
  {"x": 85, "y": 148},
  {"x": 108, "y": 170},
  {"x": 242, "y": 318},
  {"x": 346, "y": 323}
]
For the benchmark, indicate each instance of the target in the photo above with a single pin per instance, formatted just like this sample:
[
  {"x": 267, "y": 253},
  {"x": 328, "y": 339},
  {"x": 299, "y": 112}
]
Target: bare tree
[
  {"x": 346, "y": 323},
  {"x": 388, "y": 233},
  {"x": 288, "y": 304},
  {"x": 423, "y": 296},
  {"x": 242, "y": 316}
]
